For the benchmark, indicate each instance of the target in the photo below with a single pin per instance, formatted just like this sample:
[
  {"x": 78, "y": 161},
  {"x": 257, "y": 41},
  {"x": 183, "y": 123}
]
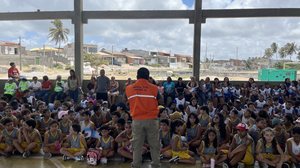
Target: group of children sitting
[{"x": 243, "y": 132}]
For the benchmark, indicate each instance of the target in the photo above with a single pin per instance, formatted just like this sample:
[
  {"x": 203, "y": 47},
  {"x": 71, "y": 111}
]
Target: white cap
[{"x": 61, "y": 114}]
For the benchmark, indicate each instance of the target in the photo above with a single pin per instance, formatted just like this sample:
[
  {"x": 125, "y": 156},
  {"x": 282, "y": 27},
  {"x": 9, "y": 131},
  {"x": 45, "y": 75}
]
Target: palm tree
[
  {"x": 268, "y": 53},
  {"x": 58, "y": 33},
  {"x": 248, "y": 64},
  {"x": 282, "y": 52},
  {"x": 291, "y": 48},
  {"x": 274, "y": 48}
]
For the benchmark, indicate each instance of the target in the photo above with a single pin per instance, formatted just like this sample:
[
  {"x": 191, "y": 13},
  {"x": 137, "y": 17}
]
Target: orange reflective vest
[{"x": 142, "y": 98}]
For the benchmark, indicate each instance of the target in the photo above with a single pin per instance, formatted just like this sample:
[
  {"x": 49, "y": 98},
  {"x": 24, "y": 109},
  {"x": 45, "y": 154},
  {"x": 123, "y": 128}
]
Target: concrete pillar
[
  {"x": 197, "y": 39},
  {"x": 78, "y": 32}
]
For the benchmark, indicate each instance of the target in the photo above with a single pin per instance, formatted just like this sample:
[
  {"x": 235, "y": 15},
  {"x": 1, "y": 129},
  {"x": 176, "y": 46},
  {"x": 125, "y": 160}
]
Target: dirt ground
[{"x": 125, "y": 71}]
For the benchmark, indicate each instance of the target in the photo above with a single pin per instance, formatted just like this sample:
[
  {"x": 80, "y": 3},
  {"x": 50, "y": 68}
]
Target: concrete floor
[{"x": 57, "y": 162}]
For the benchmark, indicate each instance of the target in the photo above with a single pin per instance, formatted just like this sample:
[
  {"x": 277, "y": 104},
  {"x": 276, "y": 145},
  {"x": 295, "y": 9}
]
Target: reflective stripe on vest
[
  {"x": 10, "y": 88},
  {"x": 143, "y": 96},
  {"x": 23, "y": 86},
  {"x": 59, "y": 88}
]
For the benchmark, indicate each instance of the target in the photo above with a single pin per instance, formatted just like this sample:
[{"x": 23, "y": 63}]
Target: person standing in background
[
  {"x": 74, "y": 86},
  {"x": 102, "y": 86}
]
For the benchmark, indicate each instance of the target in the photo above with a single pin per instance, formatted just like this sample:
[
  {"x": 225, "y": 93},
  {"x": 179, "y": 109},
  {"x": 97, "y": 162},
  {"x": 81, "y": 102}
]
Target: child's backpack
[{"x": 93, "y": 157}]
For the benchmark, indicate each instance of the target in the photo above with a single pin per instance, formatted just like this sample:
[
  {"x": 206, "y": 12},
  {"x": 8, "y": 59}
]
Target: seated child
[
  {"x": 165, "y": 139},
  {"x": 193, "y": 132},
  {"x": 53, "y": 140},
  {"x": 242, "y": 147},
  {"x": 88, "y": 130},
  {"x": 43, "y": 124},
  {"x": 180, "y": 150},
  {"x": 125, "y": 146},
  {"x": 76, "y": 147},
  {"x": 65, "y": 123},
  {"x": 29, "y": 139},
  {"x": 7, "y": 137},
  {"x": 208, "y": 150},
  {"x": 268, "y": 151},
  {"x": 105, "y": 144},
  {"x": 293, "y": 147}
]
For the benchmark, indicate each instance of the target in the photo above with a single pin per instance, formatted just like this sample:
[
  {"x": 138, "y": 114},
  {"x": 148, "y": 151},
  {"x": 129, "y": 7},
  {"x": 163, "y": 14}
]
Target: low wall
[{"x": 122, "y": 84}]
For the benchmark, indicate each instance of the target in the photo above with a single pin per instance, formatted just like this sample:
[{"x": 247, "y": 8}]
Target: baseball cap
[
  {"x": 160, "y": 107},
  {"x": 61, "y": 114},
  {"x": 242, "y": 127},
  {"x": 276, "y": 121},
  {"x": 176, "y": 115}
]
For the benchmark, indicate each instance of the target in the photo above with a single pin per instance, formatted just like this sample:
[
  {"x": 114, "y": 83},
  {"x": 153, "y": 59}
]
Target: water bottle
[{"x": 256, "y": 164}]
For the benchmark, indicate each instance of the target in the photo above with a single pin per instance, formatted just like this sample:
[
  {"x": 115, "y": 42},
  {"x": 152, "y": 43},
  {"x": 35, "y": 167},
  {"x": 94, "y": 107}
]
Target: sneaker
[
  {"x": 26, "y": 154},
  {"x": 47, "y": 155},
  {"x": 174, "y": 159},
  {"x": 79, "y": 158},
  {"x": 241, "y": 165},
  {"x": 65, "y": 158},
  {"x": 225, "y": 165},
  {"x": 103, "y": 160}
]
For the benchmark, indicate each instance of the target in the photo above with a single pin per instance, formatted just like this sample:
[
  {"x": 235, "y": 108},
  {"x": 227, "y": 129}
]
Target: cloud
[{"x": 250, "y": 36}]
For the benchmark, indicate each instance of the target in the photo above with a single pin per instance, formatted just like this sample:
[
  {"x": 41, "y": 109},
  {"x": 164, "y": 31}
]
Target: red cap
[{"x": 242, "y": 127}]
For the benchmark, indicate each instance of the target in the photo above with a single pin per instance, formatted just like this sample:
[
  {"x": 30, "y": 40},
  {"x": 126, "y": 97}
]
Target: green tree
[
  {"x": 279, "y": 65},
  {"x": 290, "y": 49},
  {"x": 248, "y": 63},
  {"x": 268, "y": 53},
  {"x": 274, "y": 48},
  {"x": 282, "y": 52},
  {"x": 58, "y": 33},
  {"x": 94, "y": 60}
]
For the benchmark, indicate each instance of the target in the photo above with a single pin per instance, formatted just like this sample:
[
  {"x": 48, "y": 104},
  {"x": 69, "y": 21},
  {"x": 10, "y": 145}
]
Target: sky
[{"x": 221, "y": 38}]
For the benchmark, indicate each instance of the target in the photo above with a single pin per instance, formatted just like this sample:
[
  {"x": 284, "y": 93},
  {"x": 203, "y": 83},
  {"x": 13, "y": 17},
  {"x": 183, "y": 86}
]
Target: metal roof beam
[
  {"x": 139, "y": 14},
  {"x": 246, "y": 13},
  {"x": 50, "y": 15}
]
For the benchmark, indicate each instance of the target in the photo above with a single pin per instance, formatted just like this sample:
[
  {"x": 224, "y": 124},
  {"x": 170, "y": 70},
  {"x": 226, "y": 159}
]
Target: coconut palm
[
  {"x": 290, "y": 48},
  {"x": 282, "y": 52},
  {"x": 268, "y": 53},
  {"x": 58, "y": 33},
  {"x": 274, "y": 48}
]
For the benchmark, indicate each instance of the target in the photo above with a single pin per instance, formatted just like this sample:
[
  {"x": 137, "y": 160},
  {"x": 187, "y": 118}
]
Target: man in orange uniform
[{"x": 143, "y": 101}]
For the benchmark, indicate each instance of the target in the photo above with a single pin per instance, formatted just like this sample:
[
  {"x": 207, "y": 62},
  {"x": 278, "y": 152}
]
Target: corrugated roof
[{"x": 42, "y": 49}]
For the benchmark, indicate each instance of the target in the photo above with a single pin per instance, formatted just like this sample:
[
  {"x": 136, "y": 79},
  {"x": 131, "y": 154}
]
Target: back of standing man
[
  {"x": 102, "y": 86},
  {"x": 143, "y": 100}
]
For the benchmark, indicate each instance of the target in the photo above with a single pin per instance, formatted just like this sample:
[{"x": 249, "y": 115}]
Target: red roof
[{"x": 6, "y": 43}]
